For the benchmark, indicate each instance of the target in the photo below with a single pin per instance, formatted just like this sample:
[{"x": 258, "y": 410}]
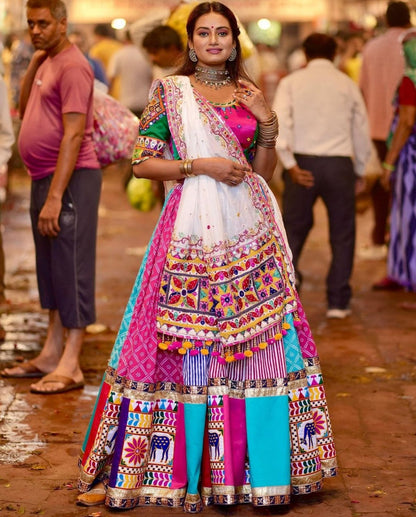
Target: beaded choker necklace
[{"x": 211, "y": 77}]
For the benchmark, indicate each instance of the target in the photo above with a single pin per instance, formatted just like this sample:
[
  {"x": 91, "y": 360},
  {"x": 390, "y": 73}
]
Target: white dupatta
[{"x": 213, "y": 216}]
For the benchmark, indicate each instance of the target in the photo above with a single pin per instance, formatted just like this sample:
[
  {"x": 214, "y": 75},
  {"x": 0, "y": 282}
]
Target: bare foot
[{"x": 55, "y": 382}]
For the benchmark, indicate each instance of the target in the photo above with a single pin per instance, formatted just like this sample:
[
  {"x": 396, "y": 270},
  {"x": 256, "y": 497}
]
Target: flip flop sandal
[
  {"x": 68, "y": 384},
  {"x": 29, "y": 370}
]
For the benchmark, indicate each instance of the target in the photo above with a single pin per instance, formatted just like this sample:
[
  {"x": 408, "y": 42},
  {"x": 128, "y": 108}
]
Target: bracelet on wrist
[
  {"x": 268, "y": 132},
  {"x": 185, "y": 168},
  {"x": 271, "y": 120},
  {"x": 388, "y": 166}
]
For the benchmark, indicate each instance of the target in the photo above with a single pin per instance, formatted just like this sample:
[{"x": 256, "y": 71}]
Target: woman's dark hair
[
  {"x": 318, "y": 45},
  {"x": 235, "y": 67}
]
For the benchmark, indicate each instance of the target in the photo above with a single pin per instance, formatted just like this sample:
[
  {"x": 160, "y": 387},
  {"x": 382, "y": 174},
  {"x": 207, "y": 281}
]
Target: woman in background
[{"x": 399, "y": 174}]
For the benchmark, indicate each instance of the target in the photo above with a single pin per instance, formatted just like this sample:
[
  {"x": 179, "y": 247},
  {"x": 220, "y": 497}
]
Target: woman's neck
[{"x": 212, "y": 77}]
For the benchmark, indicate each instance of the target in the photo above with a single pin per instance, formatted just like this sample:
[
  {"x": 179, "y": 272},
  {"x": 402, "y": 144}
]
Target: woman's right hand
[{"x": 221, "y": 169}]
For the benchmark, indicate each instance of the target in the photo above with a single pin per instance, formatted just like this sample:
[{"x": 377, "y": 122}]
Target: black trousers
[
  {"x": 335, "y": 184},
  {"x": 65, "y": 265}
]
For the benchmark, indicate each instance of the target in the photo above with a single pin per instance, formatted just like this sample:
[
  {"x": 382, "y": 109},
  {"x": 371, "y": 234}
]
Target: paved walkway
[{"x": 368, "y": 362}]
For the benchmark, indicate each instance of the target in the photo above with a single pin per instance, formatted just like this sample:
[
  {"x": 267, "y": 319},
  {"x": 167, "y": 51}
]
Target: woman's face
[{"x": 212, "y": 40}]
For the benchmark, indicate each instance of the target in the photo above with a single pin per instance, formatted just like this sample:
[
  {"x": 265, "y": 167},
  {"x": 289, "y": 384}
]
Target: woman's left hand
[
  {"x": 253, "y": 98},
  {"x": 385, "y": 179}
]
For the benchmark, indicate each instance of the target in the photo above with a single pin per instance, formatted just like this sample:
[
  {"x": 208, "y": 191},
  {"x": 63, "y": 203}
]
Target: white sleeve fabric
[
  {"x": 360, "y": 133},
  {"x": 282, "y": 105}
]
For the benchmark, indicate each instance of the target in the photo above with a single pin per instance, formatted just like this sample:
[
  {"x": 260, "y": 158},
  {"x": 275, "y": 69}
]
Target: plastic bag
[{"x": 115, "y": 129}]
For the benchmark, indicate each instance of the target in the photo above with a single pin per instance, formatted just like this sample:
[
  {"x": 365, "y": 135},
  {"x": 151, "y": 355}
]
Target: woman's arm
[
  {"x": 220, "y": 169},
  {"x": 265, "y": 160},
  {"x": 406, "y": 121}
]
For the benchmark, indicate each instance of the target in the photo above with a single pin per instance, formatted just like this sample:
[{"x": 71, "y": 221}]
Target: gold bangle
[
  {"x": 268, "y": 132},
  {"x": 388, "y": 166},
  {"x": 185, "y": 168},
  {"x": 267, "y": 145},
  {"x": 270, "y": 121},
  {"x": 190, "y": 173}
]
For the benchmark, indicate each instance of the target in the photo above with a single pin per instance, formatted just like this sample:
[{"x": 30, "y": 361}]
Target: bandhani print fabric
[
  {"x": 401, "y": 261},
  {"x": 214, "y": 392}
]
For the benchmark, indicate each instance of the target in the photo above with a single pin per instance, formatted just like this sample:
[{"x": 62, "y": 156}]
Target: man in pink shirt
[
  {"x": 382, "y": 69},
  {"x": 56, "y": 146}
]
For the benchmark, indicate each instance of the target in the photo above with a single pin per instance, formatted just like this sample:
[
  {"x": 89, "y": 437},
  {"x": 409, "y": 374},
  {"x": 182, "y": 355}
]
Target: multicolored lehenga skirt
[{"x": 214, "y": 392}]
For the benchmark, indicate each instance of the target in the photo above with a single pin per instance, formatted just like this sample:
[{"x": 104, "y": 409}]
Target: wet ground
[{"x": 368, "y": 360}]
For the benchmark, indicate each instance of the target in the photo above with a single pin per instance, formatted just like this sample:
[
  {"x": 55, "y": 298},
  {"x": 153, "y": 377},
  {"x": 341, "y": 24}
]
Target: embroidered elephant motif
[
  {"x": 159, "y": 441},
  {"x": 109, "y": 444},
  {"x": 308, "y": 433},
  {"x": 214, "y": 441}
]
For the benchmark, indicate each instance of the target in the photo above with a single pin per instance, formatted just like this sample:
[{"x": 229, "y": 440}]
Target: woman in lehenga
[
  {"x": 213, "y": 393},
  {"x": 399, "y": 174}
]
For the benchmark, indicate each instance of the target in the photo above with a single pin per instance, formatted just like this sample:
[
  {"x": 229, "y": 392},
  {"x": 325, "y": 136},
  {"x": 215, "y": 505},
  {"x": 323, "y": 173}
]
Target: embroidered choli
[{"x": 155, "y": 137}]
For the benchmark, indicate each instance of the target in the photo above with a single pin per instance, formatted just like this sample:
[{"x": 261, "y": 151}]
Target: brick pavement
[{"x": 368, "y": 363}]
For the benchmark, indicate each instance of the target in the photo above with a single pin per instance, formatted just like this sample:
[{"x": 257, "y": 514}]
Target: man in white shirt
[
  {"x": 133, "y": 68},
  {"x": 324, "y": 145}
]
